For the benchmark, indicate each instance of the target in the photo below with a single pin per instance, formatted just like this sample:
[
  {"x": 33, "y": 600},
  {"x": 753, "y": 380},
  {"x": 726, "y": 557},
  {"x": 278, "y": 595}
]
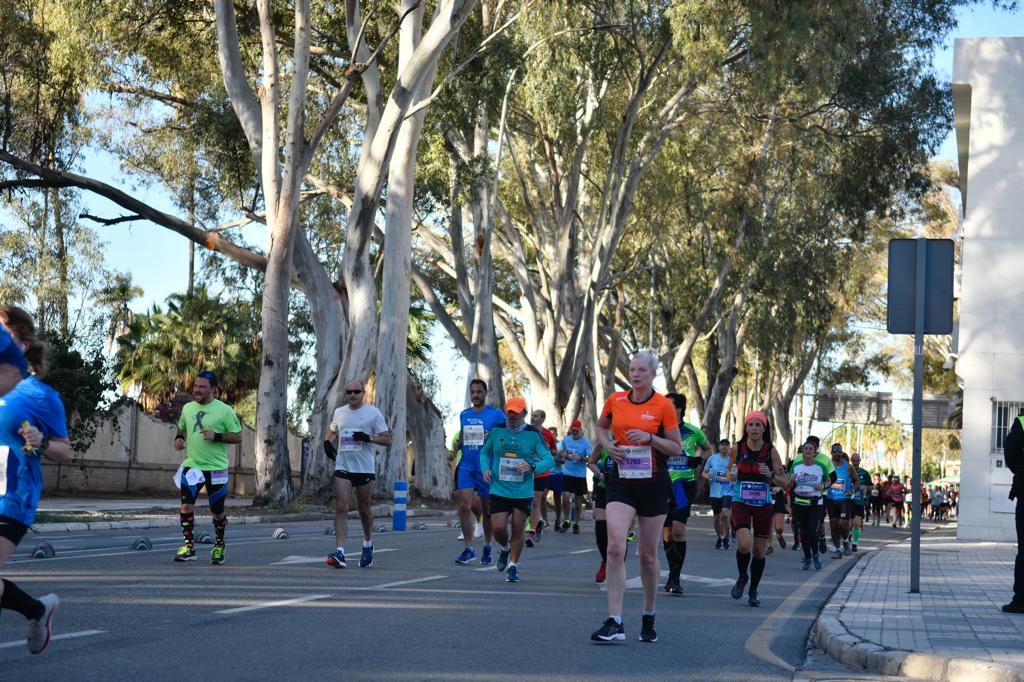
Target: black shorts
[
  {"x": 681, "y": 514},
  {"x": 779, "y": 506},
  {"x": 748, "y": 516},
  {"x": 648, "y": 498},
  {"x": 555, "y": 482},
  {"x": 12, "y": 530},
  {"x": 858, "y": 510},
  {"x": 356, "y": 480},
  {"x": 540, "y": 485},
  {"x": 720, "y": 503},
  {"x": 577, "y": 485},
  {"x": 600, "y": 497},
  {"x": 216, "y": 493},
  {"x": 505, "y": 505},
  {"x": 839, "y": 509}
]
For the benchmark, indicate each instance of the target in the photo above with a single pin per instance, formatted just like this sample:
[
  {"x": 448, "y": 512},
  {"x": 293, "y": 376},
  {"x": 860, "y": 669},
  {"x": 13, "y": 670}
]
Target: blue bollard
[{"x": 398, "y": 510}]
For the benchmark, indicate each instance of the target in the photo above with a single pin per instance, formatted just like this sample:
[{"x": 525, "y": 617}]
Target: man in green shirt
[{"x": 206, "y": 428}]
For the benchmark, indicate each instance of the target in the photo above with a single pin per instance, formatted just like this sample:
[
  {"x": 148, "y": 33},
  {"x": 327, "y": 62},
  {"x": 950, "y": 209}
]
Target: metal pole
[{"x": 915, "y": 508}]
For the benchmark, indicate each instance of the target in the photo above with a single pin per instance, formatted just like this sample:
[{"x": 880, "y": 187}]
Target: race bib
[
  {"x": 637, "y": 462},
  {"x": 721, "y": 477},
  {"x": 508, "y": 471},
  {"x": 677, "y": 463},
  {"x": 346, "y": 443},
  {"x": 194, "y": 476},
  {"x": 219, "y": 477},
  {"x": 838, "y": 487},
  {"x": 805, "y": 490},
  {"x": 4, "y": 452},
  {"x": 754, "y": 493},
  {"x": 874, "y": 492},
  {"x": 473, "y": 435}
]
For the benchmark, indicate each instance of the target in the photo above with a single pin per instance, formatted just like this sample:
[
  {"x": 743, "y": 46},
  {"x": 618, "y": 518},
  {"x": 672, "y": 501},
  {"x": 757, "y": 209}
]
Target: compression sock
[
  {"x": 601, "y": 531},
  {"x": 742, "y": 561},
  {"x": 672, "y": 555},
  {"x": 756, "y": 571},
  {"x": 188, "y": 522},
  {"x": 218, "y": 527},
  {"x": 856, "y": 535},
  {"x": 680, "y": 547},
  {"x": 16, "y": 600}
]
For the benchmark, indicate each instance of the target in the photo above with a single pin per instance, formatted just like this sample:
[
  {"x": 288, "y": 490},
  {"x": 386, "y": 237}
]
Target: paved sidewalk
[{"x": 953, "y": 630}]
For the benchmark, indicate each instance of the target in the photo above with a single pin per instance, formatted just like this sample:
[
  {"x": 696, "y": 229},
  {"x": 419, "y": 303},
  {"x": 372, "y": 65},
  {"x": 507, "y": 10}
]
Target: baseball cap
[
  {"x": 576, "y": 424},
  {"x": 515, "y": 404},
  {"x": 10, "y": 353}
]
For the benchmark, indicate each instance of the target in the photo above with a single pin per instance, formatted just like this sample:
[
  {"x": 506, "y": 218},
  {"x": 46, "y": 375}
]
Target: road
[{"x": 275, "y": 611}]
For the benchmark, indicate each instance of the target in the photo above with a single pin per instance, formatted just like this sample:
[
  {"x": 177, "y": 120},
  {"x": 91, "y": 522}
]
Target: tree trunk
[{"x": 432, "y": 473}]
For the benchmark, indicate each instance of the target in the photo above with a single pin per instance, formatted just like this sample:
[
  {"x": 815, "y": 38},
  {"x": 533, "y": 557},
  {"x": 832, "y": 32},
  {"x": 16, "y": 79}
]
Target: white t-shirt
[
  {"x": 353, "y": 456},
  {"x": 806, "y": 477}
]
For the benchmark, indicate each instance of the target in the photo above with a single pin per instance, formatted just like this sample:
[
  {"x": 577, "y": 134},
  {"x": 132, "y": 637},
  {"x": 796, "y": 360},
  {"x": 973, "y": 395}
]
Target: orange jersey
[{"x": 656, "y": 415}]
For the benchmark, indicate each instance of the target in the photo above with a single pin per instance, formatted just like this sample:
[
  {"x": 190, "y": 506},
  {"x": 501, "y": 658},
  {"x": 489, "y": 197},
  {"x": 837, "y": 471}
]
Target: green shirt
[
  {"x": 455, "y": 441},
  {"x": 202, "y": 454},
  {"x": 692, "y": 438}
]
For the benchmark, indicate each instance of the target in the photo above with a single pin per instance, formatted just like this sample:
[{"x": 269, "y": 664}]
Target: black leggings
[{"x": 807, "y": 519}]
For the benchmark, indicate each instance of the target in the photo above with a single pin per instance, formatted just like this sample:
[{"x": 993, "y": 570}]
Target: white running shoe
[
  {"x": 39, "y": 631},
  {"x": 478, "y": 530},
  {"x": 462, "y": 536}
]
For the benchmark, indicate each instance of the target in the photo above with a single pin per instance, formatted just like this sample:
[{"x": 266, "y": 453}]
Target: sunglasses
[{"x": 355, "y": 392}]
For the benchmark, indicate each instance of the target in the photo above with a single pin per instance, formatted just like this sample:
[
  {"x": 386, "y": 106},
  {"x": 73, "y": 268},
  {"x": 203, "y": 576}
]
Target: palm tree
[{"x": 116, "y": 296}]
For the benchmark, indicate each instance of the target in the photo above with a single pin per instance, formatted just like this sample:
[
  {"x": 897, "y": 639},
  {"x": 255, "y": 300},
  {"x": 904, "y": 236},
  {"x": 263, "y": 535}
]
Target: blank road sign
[{"x": 938, "y": 289}]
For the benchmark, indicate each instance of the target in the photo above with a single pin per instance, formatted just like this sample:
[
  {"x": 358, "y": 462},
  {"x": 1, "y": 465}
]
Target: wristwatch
[{"x": 43, "y": 445}]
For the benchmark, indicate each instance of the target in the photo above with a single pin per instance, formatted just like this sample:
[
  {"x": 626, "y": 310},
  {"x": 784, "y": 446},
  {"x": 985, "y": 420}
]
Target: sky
[{"x": 158, "y": 259}]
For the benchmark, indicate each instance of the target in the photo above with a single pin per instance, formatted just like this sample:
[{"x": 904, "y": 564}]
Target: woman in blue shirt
[{"x": 32, "y": 424}]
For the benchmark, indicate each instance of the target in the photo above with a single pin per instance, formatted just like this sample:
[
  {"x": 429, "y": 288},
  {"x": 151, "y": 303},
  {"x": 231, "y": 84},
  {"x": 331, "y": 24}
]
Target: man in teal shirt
[{"x": 510, "y": 457}]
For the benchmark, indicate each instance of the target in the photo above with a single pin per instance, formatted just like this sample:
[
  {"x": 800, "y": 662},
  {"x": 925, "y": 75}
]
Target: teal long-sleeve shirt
[{"x": 500, "y": 453}]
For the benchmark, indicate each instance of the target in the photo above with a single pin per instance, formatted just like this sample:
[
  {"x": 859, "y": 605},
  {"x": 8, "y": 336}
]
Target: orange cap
[{"x": 515, "y": 404}]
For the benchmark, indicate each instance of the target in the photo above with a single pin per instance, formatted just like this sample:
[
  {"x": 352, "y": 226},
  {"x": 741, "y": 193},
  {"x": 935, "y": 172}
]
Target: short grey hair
[{"x": 648, "y": 357}]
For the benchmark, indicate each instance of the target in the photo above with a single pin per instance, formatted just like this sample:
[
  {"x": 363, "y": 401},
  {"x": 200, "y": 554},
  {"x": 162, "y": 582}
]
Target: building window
[{"x": 1003, "y": 414}]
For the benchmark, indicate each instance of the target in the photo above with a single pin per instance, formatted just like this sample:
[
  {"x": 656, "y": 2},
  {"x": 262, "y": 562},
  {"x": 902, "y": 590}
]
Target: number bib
[
  {"x": 637, "y": 462},
  {"x": 755, "y": 493},
  {"x": 473, "y": 435},
  {"x": 4, "y": 452},
  {"x": 346, "y": 443},
  {"x": 721, "y": 477},
  {"x": 219, "y": 477},
  {"x": 677, "y": 463},
  {"x": 508, "y": 471}
]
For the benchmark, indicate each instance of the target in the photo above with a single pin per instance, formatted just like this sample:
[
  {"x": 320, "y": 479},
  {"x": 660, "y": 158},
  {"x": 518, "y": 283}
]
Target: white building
[{"x": 988, "y": 100}]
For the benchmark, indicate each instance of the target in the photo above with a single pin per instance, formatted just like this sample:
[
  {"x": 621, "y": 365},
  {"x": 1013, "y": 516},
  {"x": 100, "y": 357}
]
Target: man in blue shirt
[
  {"x": 574, "y": 450},
  {"x": 475, "y": 422}
]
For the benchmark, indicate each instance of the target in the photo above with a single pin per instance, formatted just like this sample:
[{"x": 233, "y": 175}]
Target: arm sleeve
[{"x": 832, "y": 476}]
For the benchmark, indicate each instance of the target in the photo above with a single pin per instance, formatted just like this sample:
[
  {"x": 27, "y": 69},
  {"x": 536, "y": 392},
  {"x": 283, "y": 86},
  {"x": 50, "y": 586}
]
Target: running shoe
[
  {"x": 366, "y": 558},
  {"x": 609, "y": 632},
  {"x": 575, "y": 529},
  {"x": 673, "y": 587},
  {"x": 336, "y": 559},
  {"x": 770, "y": 550},
  {"x": 737, "y": 589},
  {"x": 600, "y": 576},
  {"x": 822, "y": 546},
  {"x": 503, "y": 559},
  {"x": 718, "y": 543},
  {"x": 185, "y": 553},
  {"x": 462, "y": 536},
  {"x": 752, "y": 599},
  {"x": 485, "y": 556},
  {"x": 531, "y": 539},
  {"x": 565, "y": 525},
  {"x": 512, "y": 575},
  {"x": 468, "y": 556},
  {"x": 540, "y": 529},
  {"x": 732, "y": 536},
  {"x": 837, "y": 553},
  {"x": 725, "y": 543},
  {"x": 631, "y": 537},
  {"x": 806, "y": 565},
  {"x": 796, "y": 546},
  {"x": 854, "y": 546},
  {"x": 1013, "y": 607},
  {"x": 39, "y": 631},
  {"x": 817, "y": 562},
  {"x": 782, "y": 542},
  {"x": 558, "y": 527},
  {"x": 647, "y": 633},
  {"x": 846, "y": 548},
  {"x": 217, "y": 555},
  {"x": 478, "y": 530}
]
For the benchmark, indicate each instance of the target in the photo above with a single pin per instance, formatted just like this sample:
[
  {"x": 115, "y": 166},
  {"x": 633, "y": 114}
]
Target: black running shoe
[
  {"x": 609, "y": 632},
  {"x": 673, "y": 587},
  {"x": 737, "y": 589},
  {"x": 753, "y": 600},
  {"x": 718, "y": 543},
  {"x": 647, "y": 633}
]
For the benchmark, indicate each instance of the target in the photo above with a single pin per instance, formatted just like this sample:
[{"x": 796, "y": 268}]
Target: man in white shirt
[{"x": 355, "y": 429}]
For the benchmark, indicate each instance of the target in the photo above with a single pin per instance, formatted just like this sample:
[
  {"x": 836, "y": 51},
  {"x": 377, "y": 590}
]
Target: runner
[
  {"x": 32, "y": 424},
  {"x": 639, "y": 430},
  {"x": 896, "y": 494},
  {"x": 474, "y": 424},
  {"x": 808, "y": 480},
  {"x": 510, "y": 458},
  {"x": 599, "y": 465},
  {"x": 682, "y": 471},
  {"x": 575, "y": 449},
  {"x": 780, "y": 509},
  {"x": 205, "y": 429},
  {"x": 826, "y": 463},
  {"x": 716, "y": 470},
  {"x": 877, "y": 500},
  {"x": 556, "y": 479},
  {"x": 540, "y": 482},
  {"x": 755, "y": 464},
  {"x": 840, "y": 502},
  {"x": 356, "y": 427},
  {"x": 859, "y": 499},
  {"x": 455, "y": 454}
]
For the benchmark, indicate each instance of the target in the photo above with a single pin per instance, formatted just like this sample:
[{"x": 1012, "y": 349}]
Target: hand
[
  {"x": 616, "y": 452},
  {"x": 361, "y": 437},
  {"x": 329, "y": 450},
  {"x": 208, "y": 434},
  {"x": 764, "y": 470},
  {"x": 706, "y": 476},
  {"x": 731, "y": 476},
  {"x": 33, "y": 436},
  {"x": 487, "y": 476},
  {"x": 179, "y": 443},
  {"x": 638, "y": 437},
  {"x": 523, "y": 466},
  {"x": 818, "y": 487}
]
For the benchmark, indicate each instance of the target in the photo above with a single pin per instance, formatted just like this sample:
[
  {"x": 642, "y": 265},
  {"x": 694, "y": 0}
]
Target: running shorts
[
  {"x": 838, "y": 509},
  {"x": 356, "y": 479},
  {"x": 12, "y": 530},
  {"x": 216, "y": 493},
  {"x": 474, "y": 480},
  {"x": 747, "y": 516},
  {"x": 576, "y": 485},
  {"x": 648, "y": 498},
  {"x": 681, "y": 514},
  {"x": 555, "y": 483},
  {"x": 720, "y": 503},
  {"x": 505, "y": 505}
]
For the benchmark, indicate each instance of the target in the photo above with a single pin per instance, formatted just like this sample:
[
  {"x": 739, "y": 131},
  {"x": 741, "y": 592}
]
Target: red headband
[{"x": 756, "y": 415}]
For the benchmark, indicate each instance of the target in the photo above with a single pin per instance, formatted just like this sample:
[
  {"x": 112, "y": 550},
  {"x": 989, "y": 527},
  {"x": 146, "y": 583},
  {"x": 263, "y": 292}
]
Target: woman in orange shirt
[{"x": 640, "y": 431}]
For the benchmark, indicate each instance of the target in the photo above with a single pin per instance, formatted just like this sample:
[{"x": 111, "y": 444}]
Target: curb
[
  {"x": 379, "y": 511},
  {"x": 832, "y": 637}
]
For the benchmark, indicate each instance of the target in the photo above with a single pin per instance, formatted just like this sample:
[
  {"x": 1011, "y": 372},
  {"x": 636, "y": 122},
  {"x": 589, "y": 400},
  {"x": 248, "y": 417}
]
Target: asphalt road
[{"x": 275, "y": 611}]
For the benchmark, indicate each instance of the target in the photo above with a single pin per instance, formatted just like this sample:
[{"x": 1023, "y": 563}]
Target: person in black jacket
[{"x": 1013, "y": 454}]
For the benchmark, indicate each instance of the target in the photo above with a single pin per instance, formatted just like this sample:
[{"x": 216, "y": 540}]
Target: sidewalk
[{"x": 952, "y": 631}]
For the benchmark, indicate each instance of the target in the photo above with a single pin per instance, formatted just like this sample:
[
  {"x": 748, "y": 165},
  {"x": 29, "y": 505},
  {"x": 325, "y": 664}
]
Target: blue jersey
[
  {"x": 717, "y": 467},
  {"x": 844, "y": 484},
  {"x": 576, "y": 446},
  {"x": 21, "y": 477},
  {"x": 475, "y": 426}
]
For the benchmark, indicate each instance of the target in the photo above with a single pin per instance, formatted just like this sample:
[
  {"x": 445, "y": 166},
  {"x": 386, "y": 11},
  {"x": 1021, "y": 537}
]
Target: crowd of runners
[{"x": 647, "y": 464}]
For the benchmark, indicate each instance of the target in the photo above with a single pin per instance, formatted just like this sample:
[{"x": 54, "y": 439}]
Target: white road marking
[
  {"x": 636, "y": 582},
  {"x": 273, "y": 604},
  {"x": 319, "y": 559},
  {"x": 66, "y": 635},
  {"x": 584, "y": 551},
  {"x": 407, "y": 582}
]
